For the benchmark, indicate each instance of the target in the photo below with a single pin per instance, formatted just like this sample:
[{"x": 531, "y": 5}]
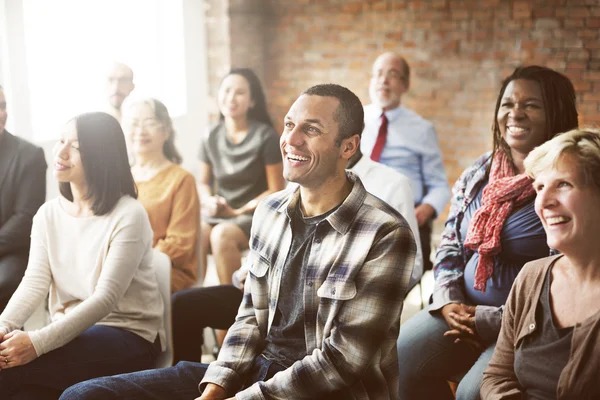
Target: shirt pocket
[
  {"x": 258, "y": 265},
  {"x": 337, "y": 290}
]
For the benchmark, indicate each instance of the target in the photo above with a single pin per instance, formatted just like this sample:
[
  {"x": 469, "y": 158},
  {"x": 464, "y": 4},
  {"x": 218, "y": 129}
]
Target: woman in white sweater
[{"x": 91, "y": 255}]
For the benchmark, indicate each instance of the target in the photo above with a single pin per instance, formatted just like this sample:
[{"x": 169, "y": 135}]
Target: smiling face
[
  {"x": 146, "y": 133},
  {"x": 234, "y": 97},
  {"x": 308, "y": 142},
  {"x": 67, "y": 157},
  {"x": 567, "y": 207},
  {"x": 522, "y": 117},
  {"x": 388, "y": 81}
]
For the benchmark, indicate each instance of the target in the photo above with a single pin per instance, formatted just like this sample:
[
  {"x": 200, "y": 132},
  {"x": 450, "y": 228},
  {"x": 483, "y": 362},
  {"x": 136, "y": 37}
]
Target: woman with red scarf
[{"x": 491, "y": 232}]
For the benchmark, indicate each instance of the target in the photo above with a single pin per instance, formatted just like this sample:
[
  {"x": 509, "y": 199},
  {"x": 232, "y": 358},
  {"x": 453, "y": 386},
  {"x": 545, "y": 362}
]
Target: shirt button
[
  {"x": 310, "y": 284},
  {"x": 531, "y": 327},
  {"x": 318, "y": 240},
  {"x": 333, "y": 291}
]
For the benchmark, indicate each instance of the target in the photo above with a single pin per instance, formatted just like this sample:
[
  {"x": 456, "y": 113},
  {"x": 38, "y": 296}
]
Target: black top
[
  {"x": 286, "y": 342},
  {"x": 541, "y": 357}
]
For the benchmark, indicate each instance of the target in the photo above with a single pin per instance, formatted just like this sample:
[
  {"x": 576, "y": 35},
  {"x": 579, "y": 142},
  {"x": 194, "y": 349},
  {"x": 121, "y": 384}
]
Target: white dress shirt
[{"x": 395, "y": 189}]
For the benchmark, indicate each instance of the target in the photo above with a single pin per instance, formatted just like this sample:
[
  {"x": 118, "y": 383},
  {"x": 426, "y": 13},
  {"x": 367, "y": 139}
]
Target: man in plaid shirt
[{"x": 329, "y": 265}]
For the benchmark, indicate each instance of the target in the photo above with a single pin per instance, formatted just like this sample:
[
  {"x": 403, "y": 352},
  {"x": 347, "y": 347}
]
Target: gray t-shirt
[
  {"x": 285, "y": 342},
  {"x": 541, "y": 357},
  {"x": 239, "y": 169}
]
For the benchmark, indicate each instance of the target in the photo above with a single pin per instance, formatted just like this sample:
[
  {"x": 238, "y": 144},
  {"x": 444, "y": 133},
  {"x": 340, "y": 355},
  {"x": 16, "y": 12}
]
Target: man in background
[
  {"x": 119, "y": 84},
  {"x": 402, "y": 139}
]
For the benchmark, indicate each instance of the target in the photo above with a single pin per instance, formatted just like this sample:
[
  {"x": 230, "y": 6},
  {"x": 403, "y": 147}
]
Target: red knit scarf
[{"x": 504, "y": 192}]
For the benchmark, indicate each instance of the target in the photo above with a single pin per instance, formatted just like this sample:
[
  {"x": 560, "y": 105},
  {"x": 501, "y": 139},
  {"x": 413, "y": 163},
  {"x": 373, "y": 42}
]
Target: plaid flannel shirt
[{"x": 358, "y": 270}]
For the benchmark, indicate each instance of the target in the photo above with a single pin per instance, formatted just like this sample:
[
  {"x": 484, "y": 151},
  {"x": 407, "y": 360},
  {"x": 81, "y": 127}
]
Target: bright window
[{"x": 71, "y": 43}]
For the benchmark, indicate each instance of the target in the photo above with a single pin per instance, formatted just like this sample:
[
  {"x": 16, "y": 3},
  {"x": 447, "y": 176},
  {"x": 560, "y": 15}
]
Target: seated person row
[
  {"x": 91, "y": 254},
  {"x": 167, "y": 191},
  {"x": 491, "y": 232},
  {"x": 22, "y": 192},
  {"x": 240, "y": 164},
  {"x": 216, "y": 306},
  {"x": 333, "y": 336},
  {"x": 549, "y": 344}
]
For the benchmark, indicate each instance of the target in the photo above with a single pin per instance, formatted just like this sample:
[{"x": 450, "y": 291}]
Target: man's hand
[
  {"x": 224, "y": 210},
  {"x": 16, "y": 349},
  {"x": 214, "y": 392},
  {"x": 424, "y": 212}
]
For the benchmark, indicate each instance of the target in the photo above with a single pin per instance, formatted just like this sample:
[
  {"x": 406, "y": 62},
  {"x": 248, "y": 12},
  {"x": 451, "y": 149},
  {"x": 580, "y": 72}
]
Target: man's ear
[{"x": 349, "y": 146}]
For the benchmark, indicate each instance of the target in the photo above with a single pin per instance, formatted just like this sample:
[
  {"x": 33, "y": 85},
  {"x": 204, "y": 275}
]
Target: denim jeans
[
  {"x": 99, "y": 351},
  {"x": 428, "y": 360},
  {"x": 175, "y": 383}
]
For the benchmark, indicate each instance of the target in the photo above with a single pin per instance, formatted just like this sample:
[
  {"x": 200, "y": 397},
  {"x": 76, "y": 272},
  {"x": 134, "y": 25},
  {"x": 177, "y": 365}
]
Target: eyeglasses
[
  {"x": 391, "y": 75},
  {"x": 147, "y": 124}
]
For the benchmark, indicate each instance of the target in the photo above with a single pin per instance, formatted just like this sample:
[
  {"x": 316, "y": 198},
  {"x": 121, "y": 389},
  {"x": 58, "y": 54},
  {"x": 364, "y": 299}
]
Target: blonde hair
[{"x": 581, "y": 144}]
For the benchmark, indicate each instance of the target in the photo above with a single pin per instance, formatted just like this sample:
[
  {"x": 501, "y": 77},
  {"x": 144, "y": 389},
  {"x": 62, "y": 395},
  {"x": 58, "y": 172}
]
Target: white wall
[{"x": 189, "y": 127}]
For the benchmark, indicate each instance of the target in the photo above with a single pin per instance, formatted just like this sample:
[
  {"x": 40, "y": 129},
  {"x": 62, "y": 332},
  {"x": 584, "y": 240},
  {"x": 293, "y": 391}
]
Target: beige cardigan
[{"x": 580, "y": 379}]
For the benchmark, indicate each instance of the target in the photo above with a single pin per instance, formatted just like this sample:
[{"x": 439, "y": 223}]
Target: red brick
[{"x": 593, "y": 22}]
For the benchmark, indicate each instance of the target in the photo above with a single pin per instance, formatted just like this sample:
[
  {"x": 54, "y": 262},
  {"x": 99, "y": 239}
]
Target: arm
[
  {"x": 35, "y": 284},
  {"x": 182, "y": 231},
  {"x": 204, "y": 180},
  {"x": 434, "y": 175},
  {"x": 404, "y": 200},
  {"x": 372, "y": 313},
  {"x": 450, "y": 260},
  {"x": 499, "y": 379},
  {"x": 243, "y": 342},
  {"x": 127, "y": 247},
  {"x": 29, "y": 196}
]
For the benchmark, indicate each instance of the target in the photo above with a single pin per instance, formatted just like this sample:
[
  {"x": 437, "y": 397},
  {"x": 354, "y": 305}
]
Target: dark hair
[
  {"x": 162, "y": 114},
  {"x": 559, "y": 100},
  {"x": 105, "y": 163},
  {"x": 349, "y": 114},
  {"x": 258, "y": 112}
]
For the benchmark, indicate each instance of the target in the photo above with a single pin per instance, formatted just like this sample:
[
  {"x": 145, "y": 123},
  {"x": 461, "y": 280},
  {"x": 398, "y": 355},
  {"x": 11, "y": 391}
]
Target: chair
[{"x": 162, "y": 265}]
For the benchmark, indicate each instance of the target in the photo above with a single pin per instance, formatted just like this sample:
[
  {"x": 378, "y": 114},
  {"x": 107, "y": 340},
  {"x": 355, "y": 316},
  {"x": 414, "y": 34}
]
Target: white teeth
[
  {"x": 557, "y": 220},
  {"x": 517, "y": 129},
  {"x": 295, "y": 157}
]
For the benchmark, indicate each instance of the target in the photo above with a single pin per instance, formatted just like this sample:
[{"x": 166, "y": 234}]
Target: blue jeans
[
  {"x": 175, "y": 383},
  {"x": 98, "y": 351},
  {"x": 428, "y": 360}
]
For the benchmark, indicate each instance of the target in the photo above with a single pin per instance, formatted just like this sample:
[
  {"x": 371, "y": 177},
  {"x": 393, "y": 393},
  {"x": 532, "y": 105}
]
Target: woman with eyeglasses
[
  {"x": 167, "y": 191},
  {"x": 91, "y": 259}
]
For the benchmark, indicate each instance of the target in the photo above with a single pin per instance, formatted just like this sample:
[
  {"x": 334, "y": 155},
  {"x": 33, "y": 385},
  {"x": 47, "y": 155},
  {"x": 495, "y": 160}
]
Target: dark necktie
[{"x": 381, "y": 137}]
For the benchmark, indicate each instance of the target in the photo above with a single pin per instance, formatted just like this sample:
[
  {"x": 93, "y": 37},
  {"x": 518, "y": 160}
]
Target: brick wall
[{"x": 459, "y": 51}]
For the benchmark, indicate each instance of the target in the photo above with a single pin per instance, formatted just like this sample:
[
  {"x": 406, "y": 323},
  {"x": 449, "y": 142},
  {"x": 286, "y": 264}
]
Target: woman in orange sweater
[{"x": 167, "y": 191}]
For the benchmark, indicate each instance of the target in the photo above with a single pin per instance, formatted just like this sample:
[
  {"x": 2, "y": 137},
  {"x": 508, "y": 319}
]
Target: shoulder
[
  {"x": 177, "y": 174},
  {"x": 535, "y": 271},
  {"x": 27, "y": 150},
  {"x": 410, "y": 115},
  {"x": 480, "y": 164},
  {"x": 275, "y": 200},
  {"x": 213, "y": 132},
  {"x": 392, "y": 176},
  {"x": 129, "y": 209}
]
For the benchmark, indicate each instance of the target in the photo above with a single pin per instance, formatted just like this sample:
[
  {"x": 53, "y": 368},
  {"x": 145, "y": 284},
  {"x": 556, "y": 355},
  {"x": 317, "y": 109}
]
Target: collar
[
  {"x": 362, "y": 166},
  {"x": 342, "y": 218},
  {"x": 392, "y": 114}
]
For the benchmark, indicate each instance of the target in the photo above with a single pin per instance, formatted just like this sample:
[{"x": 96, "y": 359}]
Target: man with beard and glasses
[
  {"x": 119, "y": 85},
  {"x": 329, "y": 265}
]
